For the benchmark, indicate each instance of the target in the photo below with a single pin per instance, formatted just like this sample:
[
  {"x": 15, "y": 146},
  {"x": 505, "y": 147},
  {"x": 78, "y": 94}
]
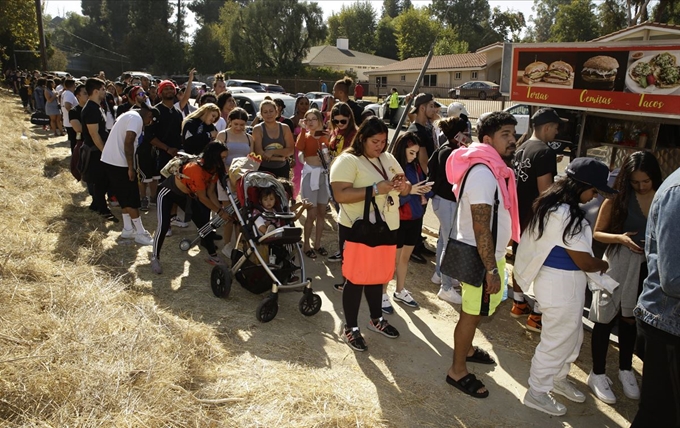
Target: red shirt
[
  {"x": 197, "y": 178},
  {"x": 358, "y": 91}
]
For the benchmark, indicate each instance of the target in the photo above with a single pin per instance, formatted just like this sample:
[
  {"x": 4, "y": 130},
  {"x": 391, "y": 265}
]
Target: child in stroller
[{"x": 266, "y": 220}]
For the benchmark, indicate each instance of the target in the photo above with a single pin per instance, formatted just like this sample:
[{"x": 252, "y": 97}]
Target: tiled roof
[
  {"x": 331, "y": 55},
  {"x": 639, "y": 26},
  {"x": 440, "y": 62}
]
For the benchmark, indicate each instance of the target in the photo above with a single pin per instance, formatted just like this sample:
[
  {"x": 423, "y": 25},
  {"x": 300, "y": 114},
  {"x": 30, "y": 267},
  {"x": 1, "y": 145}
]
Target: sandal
[
  {"x": 469, "y": 384},
  {"x": 322, "y": 251},
  {"x": 480, "y": 356},
  {"x": 310, "y": 253}
]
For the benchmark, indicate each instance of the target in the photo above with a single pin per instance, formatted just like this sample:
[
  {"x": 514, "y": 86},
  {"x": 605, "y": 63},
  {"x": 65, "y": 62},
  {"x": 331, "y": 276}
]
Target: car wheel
[{"x": 482, "y": 95}]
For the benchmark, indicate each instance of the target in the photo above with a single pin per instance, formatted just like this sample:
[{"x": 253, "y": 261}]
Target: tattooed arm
[{"x": 481, "y": 220}]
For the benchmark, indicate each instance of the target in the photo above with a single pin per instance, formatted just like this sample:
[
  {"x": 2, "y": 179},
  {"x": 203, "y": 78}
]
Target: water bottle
[{"x": 325, "y": 153}]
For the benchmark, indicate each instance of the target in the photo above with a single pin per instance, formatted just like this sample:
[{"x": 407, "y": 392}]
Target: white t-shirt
[
  {"x": 189, "y": 106},
  {"x": 480, "y": 187},
  {"x": 114, "y": 149},
  {"x": 221, "y": 125},
  {"x": 67, "y": 97}
]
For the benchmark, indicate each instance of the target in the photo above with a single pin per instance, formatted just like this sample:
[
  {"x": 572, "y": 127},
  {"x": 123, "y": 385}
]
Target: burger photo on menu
[
  {"x": 559, "y": 73},
  {"x": 600, "y": 72},
  {"x": 534, "y": 72}
]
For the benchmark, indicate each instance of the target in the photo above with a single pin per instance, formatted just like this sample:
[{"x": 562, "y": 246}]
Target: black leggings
[
  {"x": 627, "y": 337},
  {"x": 351, "y": 300},
  {"x": 200, "y": 215}
]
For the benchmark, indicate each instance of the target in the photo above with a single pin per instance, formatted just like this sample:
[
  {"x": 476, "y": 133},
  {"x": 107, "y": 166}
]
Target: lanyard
[{"x": 383, "y": 172}]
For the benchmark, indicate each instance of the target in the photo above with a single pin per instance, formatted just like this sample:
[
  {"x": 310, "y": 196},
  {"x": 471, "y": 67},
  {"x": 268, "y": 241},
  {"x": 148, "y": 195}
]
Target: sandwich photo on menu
[
  {"x": 559, "y": 73},
  {"x": 534, "y": 72},
  {"x": 600, "y": 72}
]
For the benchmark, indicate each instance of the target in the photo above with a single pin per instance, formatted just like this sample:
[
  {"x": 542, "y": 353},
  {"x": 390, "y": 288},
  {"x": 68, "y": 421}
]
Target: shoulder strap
[
  {"x": 368, "y": 201},
  {"x": 494, "y": 227}
]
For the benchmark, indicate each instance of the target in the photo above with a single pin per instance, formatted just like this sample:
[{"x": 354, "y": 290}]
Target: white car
[
  {"x": 250, "y": 102},
  {"x": 316, "y": 99},
  {"x": 241, "y": 90}
]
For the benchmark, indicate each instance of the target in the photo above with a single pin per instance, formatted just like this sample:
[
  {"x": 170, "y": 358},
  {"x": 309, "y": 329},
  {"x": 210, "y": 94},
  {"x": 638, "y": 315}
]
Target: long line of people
[{"x": 485, "y": 194}]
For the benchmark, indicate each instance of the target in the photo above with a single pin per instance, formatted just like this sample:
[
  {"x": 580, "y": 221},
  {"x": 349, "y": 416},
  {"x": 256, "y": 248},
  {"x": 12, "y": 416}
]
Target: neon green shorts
[{"x": 477, "y": 302}]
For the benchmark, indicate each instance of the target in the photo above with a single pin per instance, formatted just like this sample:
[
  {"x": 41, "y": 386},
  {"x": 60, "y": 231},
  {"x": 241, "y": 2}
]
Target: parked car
[
  {"x": 242, "y": 90},
  {"x": 250, "y": 102},
  {"x": 247, "y": 83},
  {"x": 136, "y": 75},
  {"x": 476, "y": 89},
  {"x": 316, "y": 98},
  {"x": 274, "y": 88},
  {"x": 195, "y": 87},
  {"x": 382, "y": 110}
]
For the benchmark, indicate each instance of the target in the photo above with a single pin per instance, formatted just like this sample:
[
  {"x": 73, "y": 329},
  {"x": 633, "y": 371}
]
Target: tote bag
[{"x": 370, "y": 252}]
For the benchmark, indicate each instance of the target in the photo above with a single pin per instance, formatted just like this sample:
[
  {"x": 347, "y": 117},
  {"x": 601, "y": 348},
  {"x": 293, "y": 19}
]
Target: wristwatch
[{"x": 493, "y": 271}]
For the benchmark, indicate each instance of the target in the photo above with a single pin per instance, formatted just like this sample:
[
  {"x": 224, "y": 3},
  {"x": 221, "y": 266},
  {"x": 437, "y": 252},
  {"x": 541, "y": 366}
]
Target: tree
[
  {"x": 415, "y": 31},
  {"x": 507, "y": 24},
  {"x": 354, "y": 23},
  {"x": 276, "y": 34},
  {"x": 449, "y": 43},
  {"x": 391, "y": 8},
  {"x": 18, "y": 26},
  {"x": 57, "y": 59},
  {"x": 546, "y": 11},
  {"x": 468, "y": 18},
  {"x": 612, "y": 16},
  {"x": 386, "y": 39},
  {"x": 207, "y": 11},
  {"x": 575, "y": 22}
]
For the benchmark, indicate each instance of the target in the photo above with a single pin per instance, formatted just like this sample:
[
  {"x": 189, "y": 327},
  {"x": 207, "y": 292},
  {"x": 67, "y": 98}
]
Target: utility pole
[{"x": 41, "y": 35}]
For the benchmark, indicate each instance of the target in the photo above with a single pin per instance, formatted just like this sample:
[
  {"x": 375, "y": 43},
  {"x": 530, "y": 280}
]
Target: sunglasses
[
  {"x": 141, "y": 93},
  {"x": 340, "y": 121}
]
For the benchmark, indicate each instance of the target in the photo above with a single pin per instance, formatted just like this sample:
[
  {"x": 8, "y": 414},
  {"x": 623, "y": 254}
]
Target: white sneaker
[
  {"x": 175, "y": 221},
  {"x": 387, "y": 305},
  {"x": 630, "y": 385},
  {"x": 169, "y": 232},
  {"x": 601, "y": 386},
  {"x": 404, "y": 296},
  {"x": 127, "y": 233},
  {"x": 227, "y": 249},
  {"x": 450, "y": 295},
  {"x": 545, "y": 403},
  {"x": 144, "y": 238},
  {"x": 436, "y": 279},
  {"x": 567, "y": 389}
]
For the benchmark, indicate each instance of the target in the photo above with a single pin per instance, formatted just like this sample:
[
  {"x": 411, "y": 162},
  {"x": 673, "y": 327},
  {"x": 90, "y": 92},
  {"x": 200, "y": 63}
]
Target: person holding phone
[
  {"x": 411, "y": 214},
  {"x": 311, "y": 143}
]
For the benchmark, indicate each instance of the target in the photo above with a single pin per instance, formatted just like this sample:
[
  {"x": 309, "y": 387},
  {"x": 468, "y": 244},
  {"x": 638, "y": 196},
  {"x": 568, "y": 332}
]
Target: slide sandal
[
  {"x": 311, "y": 254},
  {"x": 469, "y": 384},
  {"x": 481, "y": 357}
]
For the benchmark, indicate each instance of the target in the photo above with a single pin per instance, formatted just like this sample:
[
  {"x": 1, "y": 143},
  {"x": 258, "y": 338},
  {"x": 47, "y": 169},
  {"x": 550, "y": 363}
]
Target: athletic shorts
[
  {"x": 126, "y": 191},
  {"x": 146, "y": 163},
  {"x": 475, "y": 299},
  {"x": 320, "y": 196},
  {"x": 409, "y": 232}
]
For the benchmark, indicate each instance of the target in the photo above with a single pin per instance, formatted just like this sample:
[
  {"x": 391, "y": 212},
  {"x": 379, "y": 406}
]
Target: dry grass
[{"x": 83, "y": 341}]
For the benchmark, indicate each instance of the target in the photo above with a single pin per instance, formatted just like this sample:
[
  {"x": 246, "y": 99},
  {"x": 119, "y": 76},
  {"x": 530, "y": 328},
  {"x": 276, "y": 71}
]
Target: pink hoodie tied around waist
[{"x": 464, "y": 158}]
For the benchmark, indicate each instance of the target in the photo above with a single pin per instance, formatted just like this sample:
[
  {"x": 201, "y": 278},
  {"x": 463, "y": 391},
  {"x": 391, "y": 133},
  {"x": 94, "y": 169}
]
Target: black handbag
[
  {"x": 461, "y": 261},
  {"x": 40, "y": 118}
]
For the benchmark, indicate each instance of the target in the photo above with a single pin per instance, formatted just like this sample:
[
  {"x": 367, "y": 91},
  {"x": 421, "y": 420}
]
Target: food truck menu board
[{"x": 642, "y": 79}]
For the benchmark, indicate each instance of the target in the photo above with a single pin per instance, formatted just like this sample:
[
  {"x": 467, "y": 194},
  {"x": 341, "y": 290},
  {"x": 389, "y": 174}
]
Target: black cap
[
  {"x": 591, "y": 171},
  {"x": 420, "y": 100},
  {"x": 546, "y": 115},
  {"x": 156, "y": 113}
]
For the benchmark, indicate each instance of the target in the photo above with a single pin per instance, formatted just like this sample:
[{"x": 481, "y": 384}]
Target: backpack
[
  {"x": 176, "y": 164},
  {"x": 433, "y": 163}
]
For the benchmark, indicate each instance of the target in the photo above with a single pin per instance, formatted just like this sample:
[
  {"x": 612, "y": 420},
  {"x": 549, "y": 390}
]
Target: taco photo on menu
[
  {"x": 600, "y": 70},
  {"x": 560, "y": 73},
  {"x": 534, "y": 72},
  {"x": 659, "y": 72}
]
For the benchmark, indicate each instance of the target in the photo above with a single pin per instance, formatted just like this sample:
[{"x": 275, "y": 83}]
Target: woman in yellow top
[{"x": 366, "y": 164}]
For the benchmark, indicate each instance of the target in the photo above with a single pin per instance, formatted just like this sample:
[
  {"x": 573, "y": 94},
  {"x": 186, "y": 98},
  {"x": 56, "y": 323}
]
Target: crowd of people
[{"x": 486, "y": 195}]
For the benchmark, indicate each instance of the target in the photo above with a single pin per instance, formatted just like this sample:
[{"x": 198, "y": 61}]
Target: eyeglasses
[
  {"x": 340, "y": 121},
  {"x": 312, "y": 119}
]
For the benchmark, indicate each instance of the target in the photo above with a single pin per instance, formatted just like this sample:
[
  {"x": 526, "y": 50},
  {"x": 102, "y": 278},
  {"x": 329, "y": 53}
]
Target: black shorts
[
  {"x": 409, "y": 232},
  {"x": 126, "y": 191},
  {"x": 146, "y": 163}
]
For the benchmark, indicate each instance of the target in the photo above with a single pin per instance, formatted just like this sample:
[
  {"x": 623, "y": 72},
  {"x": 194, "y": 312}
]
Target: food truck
[{"x": 620, "y": 97}]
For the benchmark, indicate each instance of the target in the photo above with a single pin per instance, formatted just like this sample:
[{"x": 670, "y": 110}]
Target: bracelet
[{"x": 375, "y": 189}]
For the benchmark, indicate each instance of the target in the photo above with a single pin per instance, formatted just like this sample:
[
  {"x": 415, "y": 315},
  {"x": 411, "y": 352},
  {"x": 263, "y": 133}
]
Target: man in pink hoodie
[{"x": 482, "y": 171}]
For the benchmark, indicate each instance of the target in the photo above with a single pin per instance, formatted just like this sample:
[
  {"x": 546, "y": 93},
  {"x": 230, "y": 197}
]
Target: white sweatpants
[{"x": 561, "y": 294}]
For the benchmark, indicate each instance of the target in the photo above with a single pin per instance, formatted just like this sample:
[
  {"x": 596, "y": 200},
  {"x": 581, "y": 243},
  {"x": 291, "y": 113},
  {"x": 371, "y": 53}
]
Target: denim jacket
[{"x": 659, "y": 303}]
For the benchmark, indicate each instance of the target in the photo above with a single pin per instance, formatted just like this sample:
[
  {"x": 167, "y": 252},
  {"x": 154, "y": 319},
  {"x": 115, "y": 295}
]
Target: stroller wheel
[
  {"x": 184, "y": 244},
  {"x": 220, "y": 281},
  {"x": 267, "y": 309},
  {"x": 310, "y": 304}
]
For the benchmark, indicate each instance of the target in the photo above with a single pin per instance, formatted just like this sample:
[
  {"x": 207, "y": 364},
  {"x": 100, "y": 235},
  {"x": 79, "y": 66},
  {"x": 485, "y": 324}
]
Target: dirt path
[{"x": 397, "y": 382}]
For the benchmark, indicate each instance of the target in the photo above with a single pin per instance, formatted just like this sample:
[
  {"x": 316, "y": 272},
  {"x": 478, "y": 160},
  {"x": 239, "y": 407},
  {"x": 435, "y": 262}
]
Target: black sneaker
[
  {"x": 144, "y": 204},
  {"x": 108, "y": 215},
  {"x": 417, "y": 258},
  {"x": 337, "y": 257},
  {"x": 383, "y": 327},
  {"x": 427, "y": 252},
  {"x": 354, "y": 339}
]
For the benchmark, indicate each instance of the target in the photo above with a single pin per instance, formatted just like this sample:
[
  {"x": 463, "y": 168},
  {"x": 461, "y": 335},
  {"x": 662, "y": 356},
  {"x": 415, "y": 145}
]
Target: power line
[{"x": 93, "y": 44}]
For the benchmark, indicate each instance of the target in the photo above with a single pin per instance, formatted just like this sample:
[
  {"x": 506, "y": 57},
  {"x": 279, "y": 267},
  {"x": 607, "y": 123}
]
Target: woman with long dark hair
[
  {"x": 343, "y": 128},
  {"x": 621, "y": 224},
  {"x": 52, "y": 108},
  {"x": 193, "y": 188},
  {"x": 364, "y": 167},
  {"x": 273, "y": 141},
  {"x": 555, "y": 254}
]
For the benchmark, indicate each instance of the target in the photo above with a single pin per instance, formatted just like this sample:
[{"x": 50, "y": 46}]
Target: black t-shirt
[
  {"x": 168, "y": 127},
  {"x": 437, "y": 170},
  {"x": 92, "y": 114},
  {"x": 357, "y": 110},
  {"x": 125, "y": 107},
  {"x": 426, "y": 136},
  {"x": 75, "y": 113},
  {"x": 533, "y": 159}
]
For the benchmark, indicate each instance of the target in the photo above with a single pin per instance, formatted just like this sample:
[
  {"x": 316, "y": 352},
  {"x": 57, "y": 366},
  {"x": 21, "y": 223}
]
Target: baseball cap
[
  {"x": 156, "y": 113},
  {"x": 592, "y": 172},
  {"x": 455, "y": 109},
  {"x": 420, "y": 100},
  {"x": 165, "y": 83},
  {"x": 546, "y": 115}
]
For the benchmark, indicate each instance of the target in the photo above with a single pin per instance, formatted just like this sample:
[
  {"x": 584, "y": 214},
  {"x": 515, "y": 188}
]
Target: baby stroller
[{"x": 276, "y": 268}]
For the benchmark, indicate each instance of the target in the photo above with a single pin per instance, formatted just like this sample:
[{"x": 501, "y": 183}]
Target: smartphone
[
  {"x": 429, "y": 183},
  {"x": 319, "y": 133},
  {"x": 399, "y": 177},
  {"x": 462, "y": 139}
]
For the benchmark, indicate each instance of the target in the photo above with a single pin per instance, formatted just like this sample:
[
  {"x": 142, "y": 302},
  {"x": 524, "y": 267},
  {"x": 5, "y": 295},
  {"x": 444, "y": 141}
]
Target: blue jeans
[{"x": 444, "y": 210}]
